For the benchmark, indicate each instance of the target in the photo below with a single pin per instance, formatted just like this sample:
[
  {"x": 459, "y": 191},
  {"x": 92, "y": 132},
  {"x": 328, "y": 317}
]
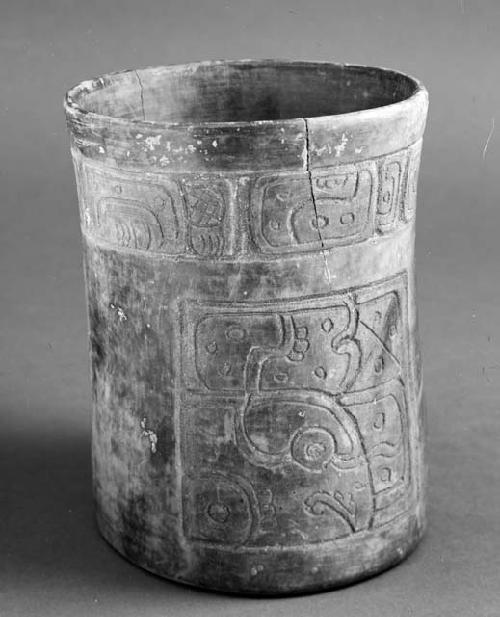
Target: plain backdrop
[{"x": 52, "y": 561}]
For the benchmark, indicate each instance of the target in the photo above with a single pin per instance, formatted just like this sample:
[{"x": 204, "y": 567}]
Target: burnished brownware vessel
[{"x": 257, "y": 396}]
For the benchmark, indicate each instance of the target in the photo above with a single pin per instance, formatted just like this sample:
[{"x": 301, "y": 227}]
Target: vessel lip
[{"x": 76, "y": 111}]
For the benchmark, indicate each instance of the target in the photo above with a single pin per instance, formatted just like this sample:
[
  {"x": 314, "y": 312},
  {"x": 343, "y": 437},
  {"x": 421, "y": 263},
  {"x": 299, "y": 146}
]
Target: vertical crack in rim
[
  {"x": 142, "y": 94},
  {"x": 307, "y": 164}
]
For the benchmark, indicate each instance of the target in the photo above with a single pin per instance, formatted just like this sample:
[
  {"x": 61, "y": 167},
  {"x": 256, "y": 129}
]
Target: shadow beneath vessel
[
  {"x": 50, "y": 537},
  {"x": 49, "y": 534}
]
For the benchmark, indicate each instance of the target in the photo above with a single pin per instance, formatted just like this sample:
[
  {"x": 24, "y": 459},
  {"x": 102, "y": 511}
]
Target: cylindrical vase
[{"x": 248, "y": 231}]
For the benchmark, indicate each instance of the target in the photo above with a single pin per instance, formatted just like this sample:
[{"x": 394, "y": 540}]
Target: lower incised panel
[{"x": 295, "y": 417}]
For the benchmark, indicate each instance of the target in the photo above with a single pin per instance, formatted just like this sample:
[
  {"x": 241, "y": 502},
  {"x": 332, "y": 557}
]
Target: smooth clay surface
[{"x": 248, "y": 230}]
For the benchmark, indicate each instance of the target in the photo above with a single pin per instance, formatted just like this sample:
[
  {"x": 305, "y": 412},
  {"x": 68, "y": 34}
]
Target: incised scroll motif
[{"x": 308, "y": 396}]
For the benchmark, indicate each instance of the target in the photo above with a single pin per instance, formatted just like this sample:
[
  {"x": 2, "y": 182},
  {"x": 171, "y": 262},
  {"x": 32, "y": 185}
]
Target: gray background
[{"x": 52, "y": 560}]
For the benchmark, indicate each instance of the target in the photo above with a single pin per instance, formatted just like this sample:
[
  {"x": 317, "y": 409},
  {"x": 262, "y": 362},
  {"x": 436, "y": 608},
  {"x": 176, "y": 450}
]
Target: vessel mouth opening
[{"x": 240, "y": 91}]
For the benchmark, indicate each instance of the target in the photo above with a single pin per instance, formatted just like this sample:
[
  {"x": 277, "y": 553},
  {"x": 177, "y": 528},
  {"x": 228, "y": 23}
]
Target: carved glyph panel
[
  {"x": 392, "y": 170},
  {"x": 207, "y": 203},
  {"x": 132, "y": 213},
  {"x": 291, "y": 213},
  {"x": 296, "y": 415},
  {"x": 410, "y": 200}
]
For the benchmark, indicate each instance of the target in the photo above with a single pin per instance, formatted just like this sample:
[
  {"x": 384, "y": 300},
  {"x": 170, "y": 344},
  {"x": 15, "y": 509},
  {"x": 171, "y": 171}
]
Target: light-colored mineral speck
[
  {"x": 339, "y": 148},
  {"x": 151, "y": 435},
  {"x": 122, "y": 316},
  {"x": 152, "y": 141},
  {"x": 320, "y": 151}
]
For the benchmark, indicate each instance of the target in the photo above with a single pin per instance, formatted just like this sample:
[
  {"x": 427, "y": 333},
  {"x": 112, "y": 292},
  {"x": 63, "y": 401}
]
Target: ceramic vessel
[{"x": 257, "y": 394}]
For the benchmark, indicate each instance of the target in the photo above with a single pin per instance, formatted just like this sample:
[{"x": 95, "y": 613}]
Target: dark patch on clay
[
  {"x": 133, "y": 532},
  {"x": 165, "y": 444},
  {"x": 97, "y": 337},
  {"x": 115, "y": 446}
]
